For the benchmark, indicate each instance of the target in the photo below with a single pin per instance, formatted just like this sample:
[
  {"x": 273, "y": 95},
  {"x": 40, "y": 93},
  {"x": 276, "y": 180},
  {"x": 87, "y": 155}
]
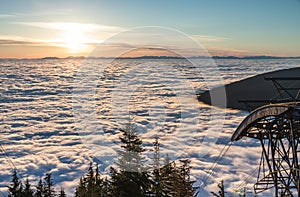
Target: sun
[{"x": 75, "y": 39}]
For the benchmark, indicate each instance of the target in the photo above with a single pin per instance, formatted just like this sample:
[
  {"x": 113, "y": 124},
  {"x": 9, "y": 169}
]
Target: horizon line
[{"x": 159, "y": 57}]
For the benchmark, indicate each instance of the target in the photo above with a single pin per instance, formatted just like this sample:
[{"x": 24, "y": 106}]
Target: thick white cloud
[{"x": 39, "y": 133}]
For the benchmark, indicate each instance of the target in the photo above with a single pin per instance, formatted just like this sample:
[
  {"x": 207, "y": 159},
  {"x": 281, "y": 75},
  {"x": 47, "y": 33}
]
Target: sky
[{"x": 39, "y": 28}]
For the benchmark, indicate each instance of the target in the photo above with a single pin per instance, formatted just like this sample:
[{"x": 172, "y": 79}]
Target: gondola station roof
[{"x": 253, "y": 92}]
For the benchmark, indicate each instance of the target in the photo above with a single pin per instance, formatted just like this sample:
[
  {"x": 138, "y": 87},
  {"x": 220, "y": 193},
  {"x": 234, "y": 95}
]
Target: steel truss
[
  {"x": 279, "y": 164},
  {"x": 277, "y": 127}
]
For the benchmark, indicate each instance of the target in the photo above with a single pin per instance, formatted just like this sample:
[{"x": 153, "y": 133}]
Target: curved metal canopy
[
  {"x": 253, "y": 92},
  {"x": 266, "y": 113}
]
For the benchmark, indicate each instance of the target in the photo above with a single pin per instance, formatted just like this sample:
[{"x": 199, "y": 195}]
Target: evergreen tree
[
  {"x": 16, "y": 188},
  {"x": 170, "y": 179},
  {"x": 100, "y": 185},
  {"x": 48, "y": 186},
  {"x": 130, "y": 158},
  {"x": 81, "y": 189},
  {"x": 176, "y": 180},
  {"x": 92, "y": 185},
  {"x": 221, "y": 192},
  {"x": 157, "y": 189},
  {"x": 106, "y": 188},
  {"x": 90, "y": 182},
  {"x": 167, "y": 173},
  {"x": 39, "y": 189},
  {"x": 131, "y": 179},
  {"x": 185, "y": 183},
  {"x": 62, "y": 193},
  {"x": 27, "y": 190}
]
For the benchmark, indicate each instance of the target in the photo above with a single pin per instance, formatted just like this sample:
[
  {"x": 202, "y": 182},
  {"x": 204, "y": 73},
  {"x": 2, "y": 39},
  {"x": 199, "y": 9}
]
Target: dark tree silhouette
[
  {"x": 157, "y": 187},
  {"x": 131, "y": 178},
  {"x": 16, "y": 187},
  {"x": 81, "y": 189},
  {"x": 62, "y": 193},
  {"x": 185, "y": 183},
  {"x": 92, "y": 185},
  {"x": 221, "y": 192},
  {"x": 48, "y": 190},
  {"x": 39, "y": 189},
  {"x": 27, "y": 190}
]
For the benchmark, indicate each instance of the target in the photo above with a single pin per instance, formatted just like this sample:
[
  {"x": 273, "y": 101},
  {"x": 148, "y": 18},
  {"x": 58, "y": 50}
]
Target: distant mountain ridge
[{"x": 163, "y": 57}]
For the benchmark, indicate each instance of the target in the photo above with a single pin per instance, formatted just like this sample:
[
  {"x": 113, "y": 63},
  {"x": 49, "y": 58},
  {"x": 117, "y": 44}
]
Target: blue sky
[{"x": 231, "y": 27}]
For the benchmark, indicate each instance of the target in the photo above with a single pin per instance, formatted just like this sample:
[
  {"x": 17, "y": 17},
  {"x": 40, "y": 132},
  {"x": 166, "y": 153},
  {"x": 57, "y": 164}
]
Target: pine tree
[
  {"x": 114, "y": 182},
  {"x": 27, "y": 190},
  {"x": 99, "y": 184},
  {"x": 39, "y": 189},
  {"x": 16, "y": 188},
  {"x": 90, "y": 181},
  {"x": 156, "y": 173},
  {"x": 221, "y": 192},
  {"x": 106, "y": 188},
  {"x": 186, "y": 184},
  {"x": 48, "y": 186},
  {"x": 176, "y": 180},
  {"x": 130, "y": 158},
  {"x": 131, "y": 179},
  {"x": 62, "y": 193},
  {"x": 167, "y": 178},
  {"x": 81, "y": 189},
  {"x": 92, "y": 185}
]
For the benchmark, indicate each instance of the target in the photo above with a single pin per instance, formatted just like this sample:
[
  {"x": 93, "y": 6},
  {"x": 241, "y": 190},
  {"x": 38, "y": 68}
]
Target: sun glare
[
  {"x": 79, "y": 38},
  {"x": 75, "y": 41},
  {"x": 75, "y": 38}
]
